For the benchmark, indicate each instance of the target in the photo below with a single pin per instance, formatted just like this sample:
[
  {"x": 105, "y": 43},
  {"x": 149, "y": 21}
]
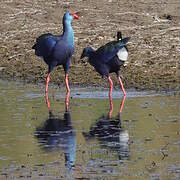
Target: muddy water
[{"x": 140, "y": 143}]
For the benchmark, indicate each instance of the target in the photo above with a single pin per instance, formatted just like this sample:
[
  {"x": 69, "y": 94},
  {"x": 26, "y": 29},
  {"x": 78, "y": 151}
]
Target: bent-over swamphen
[
  {"x": 109, "y": 58},
  {"x": 57, "y": 49}
]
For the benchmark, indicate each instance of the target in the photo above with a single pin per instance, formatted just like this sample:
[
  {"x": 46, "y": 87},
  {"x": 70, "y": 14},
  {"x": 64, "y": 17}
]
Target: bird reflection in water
[
  {"x": 66, "y": 101},
  {"x": 111, "y": 105},
  {"x": 110, "y": 133},
  {"x": 57, "y": 133}
]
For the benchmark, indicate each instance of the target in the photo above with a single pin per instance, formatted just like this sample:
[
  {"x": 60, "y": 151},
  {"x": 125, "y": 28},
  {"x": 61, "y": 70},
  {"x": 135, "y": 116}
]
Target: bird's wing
[
  {"x": 109, "y": 50},
  {"x": 45, "y": 44}
]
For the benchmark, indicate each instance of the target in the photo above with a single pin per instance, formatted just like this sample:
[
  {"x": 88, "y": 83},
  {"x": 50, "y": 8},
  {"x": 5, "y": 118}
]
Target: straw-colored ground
[{"x": 154, "y": 50}]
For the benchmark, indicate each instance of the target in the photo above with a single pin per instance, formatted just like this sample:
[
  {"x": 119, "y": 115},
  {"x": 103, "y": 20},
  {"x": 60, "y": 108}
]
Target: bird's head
[
  {"x": 87, "y": 52},
  {"x": 69, "y": 16}
]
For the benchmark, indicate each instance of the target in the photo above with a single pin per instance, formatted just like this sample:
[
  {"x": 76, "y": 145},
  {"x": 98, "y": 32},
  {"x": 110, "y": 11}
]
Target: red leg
[
  {"x": 47, "y": 82},
  {"x": 122, "y": 86},
  {"x": 110, "y": 96},
  {"x": 110, "y": 87},
  {"x": 122, "y": 104},
  {"x": 67, "y": 101},
  {"x": 67, "y": 92},
  {"x": 111, "y": 107},
  {"x": 67, "y": 83},
  {"x": 47, "y": 101}
]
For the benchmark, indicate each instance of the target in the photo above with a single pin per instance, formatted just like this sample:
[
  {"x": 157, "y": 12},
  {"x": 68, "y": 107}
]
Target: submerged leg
[
  {"x": 47, "y": 101},
  {"x": 47, "y": 82},
  {"x": 110, "y": 96},
  {"x": 122, "y": 104},
  {"x": 67, "y": 101},
  {"x": 111, "y": 107},
  {"x": 122, "y": 86},
  {"x": 46, "y": 90},
  {"x": 67, "y": 92}
]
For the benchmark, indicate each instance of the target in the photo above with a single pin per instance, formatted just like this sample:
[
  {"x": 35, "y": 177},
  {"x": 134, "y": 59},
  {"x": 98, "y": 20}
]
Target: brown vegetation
[{"x": 154, "y": 50}]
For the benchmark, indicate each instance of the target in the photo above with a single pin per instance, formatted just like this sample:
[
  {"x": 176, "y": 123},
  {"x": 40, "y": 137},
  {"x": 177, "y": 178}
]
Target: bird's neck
[
  {"x": 68, "y": 32},
  {"x": 91, "y": 59}
]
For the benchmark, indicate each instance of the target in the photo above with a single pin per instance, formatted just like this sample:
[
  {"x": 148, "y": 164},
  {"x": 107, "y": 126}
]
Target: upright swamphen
[
  {"x": 57, "y": 49},
  {"x": 109, "y": 58}
]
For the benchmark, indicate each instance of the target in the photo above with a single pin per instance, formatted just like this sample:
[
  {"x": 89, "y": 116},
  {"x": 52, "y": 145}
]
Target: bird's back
[
  {"x": 53, "y": 48},
  {"x": 110, "y": 50},
  {"x": 44, "y": 45}
]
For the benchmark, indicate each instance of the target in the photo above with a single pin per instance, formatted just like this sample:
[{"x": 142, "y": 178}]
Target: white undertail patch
[{"x": 123, "y": 54}]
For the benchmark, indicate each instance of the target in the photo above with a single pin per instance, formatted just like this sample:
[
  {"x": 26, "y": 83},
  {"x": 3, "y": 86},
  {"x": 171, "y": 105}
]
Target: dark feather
[
  {"x": 44, "y": 45},
  {"x": 110, "y": 50},
  {"x": 119, "y": 36},
  {"x": 57, "y": 50},
  {"x": 108, "y": 58}
]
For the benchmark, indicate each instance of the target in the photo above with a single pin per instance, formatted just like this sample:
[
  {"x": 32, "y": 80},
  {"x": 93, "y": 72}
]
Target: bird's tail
[
  {"x": 123, "y": 40},
  {"x": 119, "y": 36},
  {"x": 34, "y": 46}
]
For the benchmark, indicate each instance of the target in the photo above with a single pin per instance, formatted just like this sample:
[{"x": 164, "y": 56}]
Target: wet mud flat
[
  {"x": 85, "y": 143},
  {"x": 154, "y": 50}
]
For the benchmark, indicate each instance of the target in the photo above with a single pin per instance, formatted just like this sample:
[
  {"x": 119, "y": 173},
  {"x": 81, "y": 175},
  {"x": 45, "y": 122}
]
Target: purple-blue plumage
[
  {"x": 108, "y": 58},
  {"x": 57, "y": 49},
  {"x": 44, "y": 45}
]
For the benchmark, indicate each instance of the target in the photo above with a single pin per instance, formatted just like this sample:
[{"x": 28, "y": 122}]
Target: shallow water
[{"x": 140, "y": 143}]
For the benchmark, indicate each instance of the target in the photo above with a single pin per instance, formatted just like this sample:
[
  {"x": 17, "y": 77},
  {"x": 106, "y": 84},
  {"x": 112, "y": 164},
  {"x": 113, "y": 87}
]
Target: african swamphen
[
  {"x": 109, "y": 58},
  {"x": 57, "y": 49}
]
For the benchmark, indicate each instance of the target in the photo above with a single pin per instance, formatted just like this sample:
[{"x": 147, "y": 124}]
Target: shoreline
[{"x": 90, "y": 92}]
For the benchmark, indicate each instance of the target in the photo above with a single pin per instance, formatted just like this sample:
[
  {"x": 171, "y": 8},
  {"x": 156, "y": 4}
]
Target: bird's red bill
[{"x": 75, "y": 15}]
